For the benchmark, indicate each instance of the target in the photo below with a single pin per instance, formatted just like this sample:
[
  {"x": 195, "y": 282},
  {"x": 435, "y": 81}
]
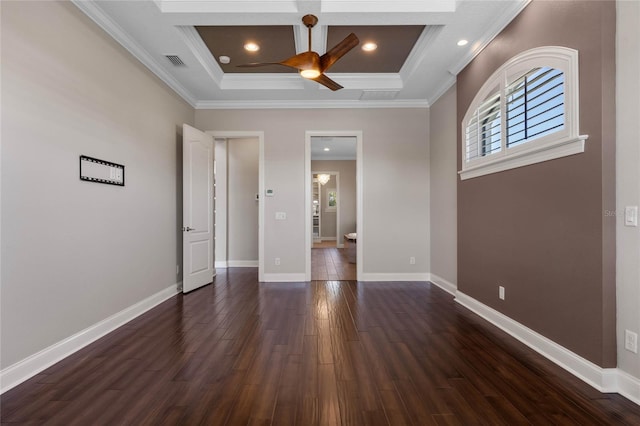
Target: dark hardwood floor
[
  {"x": 333, "y": 264},
  {"x": 325, "y": 353}
]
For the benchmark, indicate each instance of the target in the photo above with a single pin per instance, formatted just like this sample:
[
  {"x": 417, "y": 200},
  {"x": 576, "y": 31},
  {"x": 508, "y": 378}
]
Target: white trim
[
  {"x": 511, "y": 10},
  {"x": 95, "y": 13},
  {"x": 306, "y": 104},
  {"x": 447, "y": 286},
  {"x": 603, "y": 379},
  {"x": 628, "y": 386},
  {"x": 536, "y": 154},
  {"x": 307, "y": 199},
  {"x": 243, "y": 263},
  {"x": 441, "y": 89},
  {"x": 284, "y": 278},
  {"x": 195, "y": 43},
  {"x": 566, "y": 139},
  {"x": 260, "y": 135},
  {"x": 32, "y": 365},
  {"x": 221, "y": 264},
  {"x": 384, "y": 276},
  {"x": 328, "y": 238}
]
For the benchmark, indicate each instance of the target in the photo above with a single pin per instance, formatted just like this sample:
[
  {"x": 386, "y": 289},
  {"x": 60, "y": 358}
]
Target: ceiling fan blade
[
  {"x": 302, "y": 61},
  {"x": 326, "y": 81},
  {"x": 338, "y": 51}
]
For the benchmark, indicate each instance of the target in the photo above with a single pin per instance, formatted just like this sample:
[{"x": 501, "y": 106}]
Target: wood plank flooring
[
  {"x": 322, "y": 353},
  {"x": 332, "y": 264}
]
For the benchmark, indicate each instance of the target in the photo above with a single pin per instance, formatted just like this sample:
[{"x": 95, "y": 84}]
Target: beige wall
[
  {"x": 395, "y": 174},
  {"x": 628, "y": 178},
  {"x": 541, "y": 231},
  {"x": 346, "y": 191},
  {"x": 444, "y": 178},
  {"x": 73, "y": 252},
  {"x": 242, "y": 207}
]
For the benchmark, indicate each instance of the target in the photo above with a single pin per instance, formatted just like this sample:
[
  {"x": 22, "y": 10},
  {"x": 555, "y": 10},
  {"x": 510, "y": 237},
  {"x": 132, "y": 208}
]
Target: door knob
[{"x": 187, "y": 229}]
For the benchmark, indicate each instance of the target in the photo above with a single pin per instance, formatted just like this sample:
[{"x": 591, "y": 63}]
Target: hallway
[{"x": 332, "y": 264}]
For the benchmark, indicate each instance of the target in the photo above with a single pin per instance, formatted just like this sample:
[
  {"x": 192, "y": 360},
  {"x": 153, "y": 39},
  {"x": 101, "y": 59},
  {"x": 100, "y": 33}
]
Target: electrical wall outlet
[
  {"x": 631, "y": 341},
  {"x": 501, "y": 292},
  {"x": 277, "y": 261},
  {"x": 412, "y": 260}
]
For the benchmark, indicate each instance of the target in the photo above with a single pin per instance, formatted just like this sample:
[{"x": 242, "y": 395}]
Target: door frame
[
  {"x": 260, "y": 136},
  {"x": 359, "y": 196},
  {"x": 337, "y": 177}
]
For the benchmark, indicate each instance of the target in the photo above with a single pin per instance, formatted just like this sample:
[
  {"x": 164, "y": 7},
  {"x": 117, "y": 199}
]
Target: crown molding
[
  {"x": 511, "y": 10},
  {"x": 311, "y": 104},
  {"x": 93, "y": 11},
  {"x": 442, "y": 89},
  {"x": 404, "y": 6},
  {"x": 196, "y": 45},
  {"x": 420, "y": 50},
  {"x": 227, "y": 6}
]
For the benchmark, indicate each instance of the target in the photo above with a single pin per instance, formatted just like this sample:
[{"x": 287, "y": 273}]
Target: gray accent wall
[
  {"x": 541, "y": 231},
  {"x": 75, "y": 252},
  {"x": 395, "y": 173}
]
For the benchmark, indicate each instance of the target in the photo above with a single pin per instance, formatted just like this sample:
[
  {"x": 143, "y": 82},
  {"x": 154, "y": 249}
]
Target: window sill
[{"x": 536, "y": 154}]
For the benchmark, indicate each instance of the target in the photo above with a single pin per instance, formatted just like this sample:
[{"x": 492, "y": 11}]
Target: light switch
[
  {"x": 631, "y": 216},
  {"x": 281, "y": 215}
]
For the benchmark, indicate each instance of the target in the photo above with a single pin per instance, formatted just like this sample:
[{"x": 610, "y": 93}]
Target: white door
[{"x": 197, "y": 208}]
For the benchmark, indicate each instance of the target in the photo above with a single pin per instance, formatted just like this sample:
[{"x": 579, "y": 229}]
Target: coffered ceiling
[{"x": 417, "y": 58}]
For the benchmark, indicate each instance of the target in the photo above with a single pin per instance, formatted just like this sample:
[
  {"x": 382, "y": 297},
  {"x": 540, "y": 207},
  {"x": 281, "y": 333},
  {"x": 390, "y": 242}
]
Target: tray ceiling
[{"x": 416, "y": 60}]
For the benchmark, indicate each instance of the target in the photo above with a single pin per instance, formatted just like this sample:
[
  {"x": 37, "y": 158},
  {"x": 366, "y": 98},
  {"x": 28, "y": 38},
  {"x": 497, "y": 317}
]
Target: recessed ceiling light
[
  {"x": 224, "y": 59},
  {"x": 327, "y": 149},
  {"x": 251, "y": 47},
  {"x": 462, "y": 42},
  {"x": 369, "y": 46}
]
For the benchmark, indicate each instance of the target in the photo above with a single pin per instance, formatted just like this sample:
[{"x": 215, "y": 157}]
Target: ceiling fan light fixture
[
  {"x": 310, "y": 73},
  {"x": 251, "y": 47},
  {"x": 369, "y": 46}
]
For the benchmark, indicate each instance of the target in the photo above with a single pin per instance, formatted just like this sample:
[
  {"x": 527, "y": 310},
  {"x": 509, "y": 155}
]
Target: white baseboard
[
  {"x": 222, "y": 264},
  {"x": 32, "y": 365},
  {"x": 447, "y": 286},
  {"x": 628, "y": 386},
  {"x": 419, "y": 276},
  {"x": 242, "y": 263},
  {"x": 603, "y": 379},
  {"x": 328, "y": 238},
  {"x": 285, "y": 278}
]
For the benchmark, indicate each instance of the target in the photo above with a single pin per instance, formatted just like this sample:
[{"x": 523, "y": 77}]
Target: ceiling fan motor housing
[{"x": 309, "y": 20}]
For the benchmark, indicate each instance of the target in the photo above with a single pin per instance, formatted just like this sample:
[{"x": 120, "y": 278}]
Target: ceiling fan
[{"x": 310, "y": 64}]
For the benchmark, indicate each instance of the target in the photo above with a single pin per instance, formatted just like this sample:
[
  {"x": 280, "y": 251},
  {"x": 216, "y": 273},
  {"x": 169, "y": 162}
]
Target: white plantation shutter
[
  {"x": 535, "y": 105},
  {"x": 483, "y": 134},
  {"x": 525, "y": 113}
]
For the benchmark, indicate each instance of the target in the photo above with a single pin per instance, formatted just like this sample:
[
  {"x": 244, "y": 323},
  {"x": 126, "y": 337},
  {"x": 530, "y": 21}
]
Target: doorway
[
  {"x": 230, "y": 251},
  {"x": 333, "y": 170}
]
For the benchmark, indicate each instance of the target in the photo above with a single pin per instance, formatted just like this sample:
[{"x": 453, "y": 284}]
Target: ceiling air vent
[
  {"x": 175, "y": 60},
  {"x": 378, "y": 95}
]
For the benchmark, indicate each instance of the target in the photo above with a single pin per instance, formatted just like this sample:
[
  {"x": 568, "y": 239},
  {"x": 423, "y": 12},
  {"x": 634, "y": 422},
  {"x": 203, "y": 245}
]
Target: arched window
[{"x": 526, "y": 112}]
